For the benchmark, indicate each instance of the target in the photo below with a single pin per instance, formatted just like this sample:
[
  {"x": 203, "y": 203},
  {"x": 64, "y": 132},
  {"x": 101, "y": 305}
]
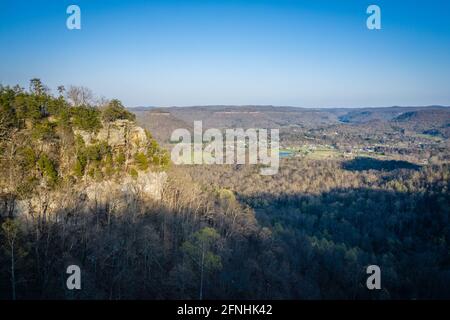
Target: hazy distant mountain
[
  {"x": 159, "y": 122},
  {"x": 386, "y": 114},
  {"x": 140, "y": 108},
  {"x": 162, "y": 121}
]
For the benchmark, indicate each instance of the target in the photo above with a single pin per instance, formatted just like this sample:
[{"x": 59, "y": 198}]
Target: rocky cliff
[
  {"x": 121, "y": 136},
  {"x": 54, "y": 152}
]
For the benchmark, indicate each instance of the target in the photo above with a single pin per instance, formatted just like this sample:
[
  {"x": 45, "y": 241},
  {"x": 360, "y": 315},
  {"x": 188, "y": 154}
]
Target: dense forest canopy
[{"x": 223, "y": 232}]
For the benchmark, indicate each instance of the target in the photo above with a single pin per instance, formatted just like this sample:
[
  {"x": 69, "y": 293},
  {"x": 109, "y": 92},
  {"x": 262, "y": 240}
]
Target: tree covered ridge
[
  {"x": 221, "y": 232},
  {"x": 39, "y": 144},
  {"x": 228, "y": 232},
  {"x": 328, "y": 222}
]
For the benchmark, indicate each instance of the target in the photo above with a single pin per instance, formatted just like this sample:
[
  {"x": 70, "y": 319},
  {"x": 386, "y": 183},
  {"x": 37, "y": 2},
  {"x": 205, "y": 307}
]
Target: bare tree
[
  {"x": 79, "y": 96},
  {"x": 10, "y": 230},
  {"x": 102, "y": 102}
]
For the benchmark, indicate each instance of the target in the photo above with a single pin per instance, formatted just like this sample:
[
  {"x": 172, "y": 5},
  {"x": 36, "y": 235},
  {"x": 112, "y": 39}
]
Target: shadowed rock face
[
  {"x": 147, "y": 185},
  {"x": 112, "y": 194}
]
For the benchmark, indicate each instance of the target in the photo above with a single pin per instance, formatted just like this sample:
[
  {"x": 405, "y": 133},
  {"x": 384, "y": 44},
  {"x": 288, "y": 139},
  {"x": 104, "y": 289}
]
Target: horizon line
[{"x": 287, "y": 106}]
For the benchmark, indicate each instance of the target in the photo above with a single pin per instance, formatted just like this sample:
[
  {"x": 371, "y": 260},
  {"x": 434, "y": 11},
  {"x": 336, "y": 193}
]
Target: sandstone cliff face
[
  {"x": 148, "y": 185},
  {"x": 109, "y": 194},
  {"x": 115, "y": 192},
  {"x": 118, "y": 134}
]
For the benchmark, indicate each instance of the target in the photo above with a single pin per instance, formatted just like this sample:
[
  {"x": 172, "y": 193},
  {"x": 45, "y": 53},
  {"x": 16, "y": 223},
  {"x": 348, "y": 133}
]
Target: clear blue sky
[{"x": 312, "y": 53}]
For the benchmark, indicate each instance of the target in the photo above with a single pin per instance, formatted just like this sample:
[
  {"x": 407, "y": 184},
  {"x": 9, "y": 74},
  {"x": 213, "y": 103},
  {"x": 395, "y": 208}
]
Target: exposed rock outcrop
[
  {"x": 147, "y": 185},
  {"x": 115, "y": 191},
  {"x": 107, "y": 193},
  {"x": 118, "y": 134}
]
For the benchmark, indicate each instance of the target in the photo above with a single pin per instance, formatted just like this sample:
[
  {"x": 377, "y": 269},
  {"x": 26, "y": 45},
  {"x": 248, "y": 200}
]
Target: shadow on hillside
[
  {"x": 366, "y": 163},
  {"x": 389, "y": 228}
]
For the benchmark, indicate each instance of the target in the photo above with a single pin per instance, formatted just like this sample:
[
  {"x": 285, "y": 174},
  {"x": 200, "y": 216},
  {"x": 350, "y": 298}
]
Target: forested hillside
[
  {"x": 70, "y": 171},
  {"x": 47, "y": 141},
  {"x": 330, "y": 219}
]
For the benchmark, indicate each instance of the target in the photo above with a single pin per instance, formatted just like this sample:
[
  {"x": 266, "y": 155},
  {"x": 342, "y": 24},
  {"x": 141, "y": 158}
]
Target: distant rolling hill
[
  {"x": 162, "y": 121},
  {"x": 434, "y": 121},
  {"x": 387, "y": 114}
]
